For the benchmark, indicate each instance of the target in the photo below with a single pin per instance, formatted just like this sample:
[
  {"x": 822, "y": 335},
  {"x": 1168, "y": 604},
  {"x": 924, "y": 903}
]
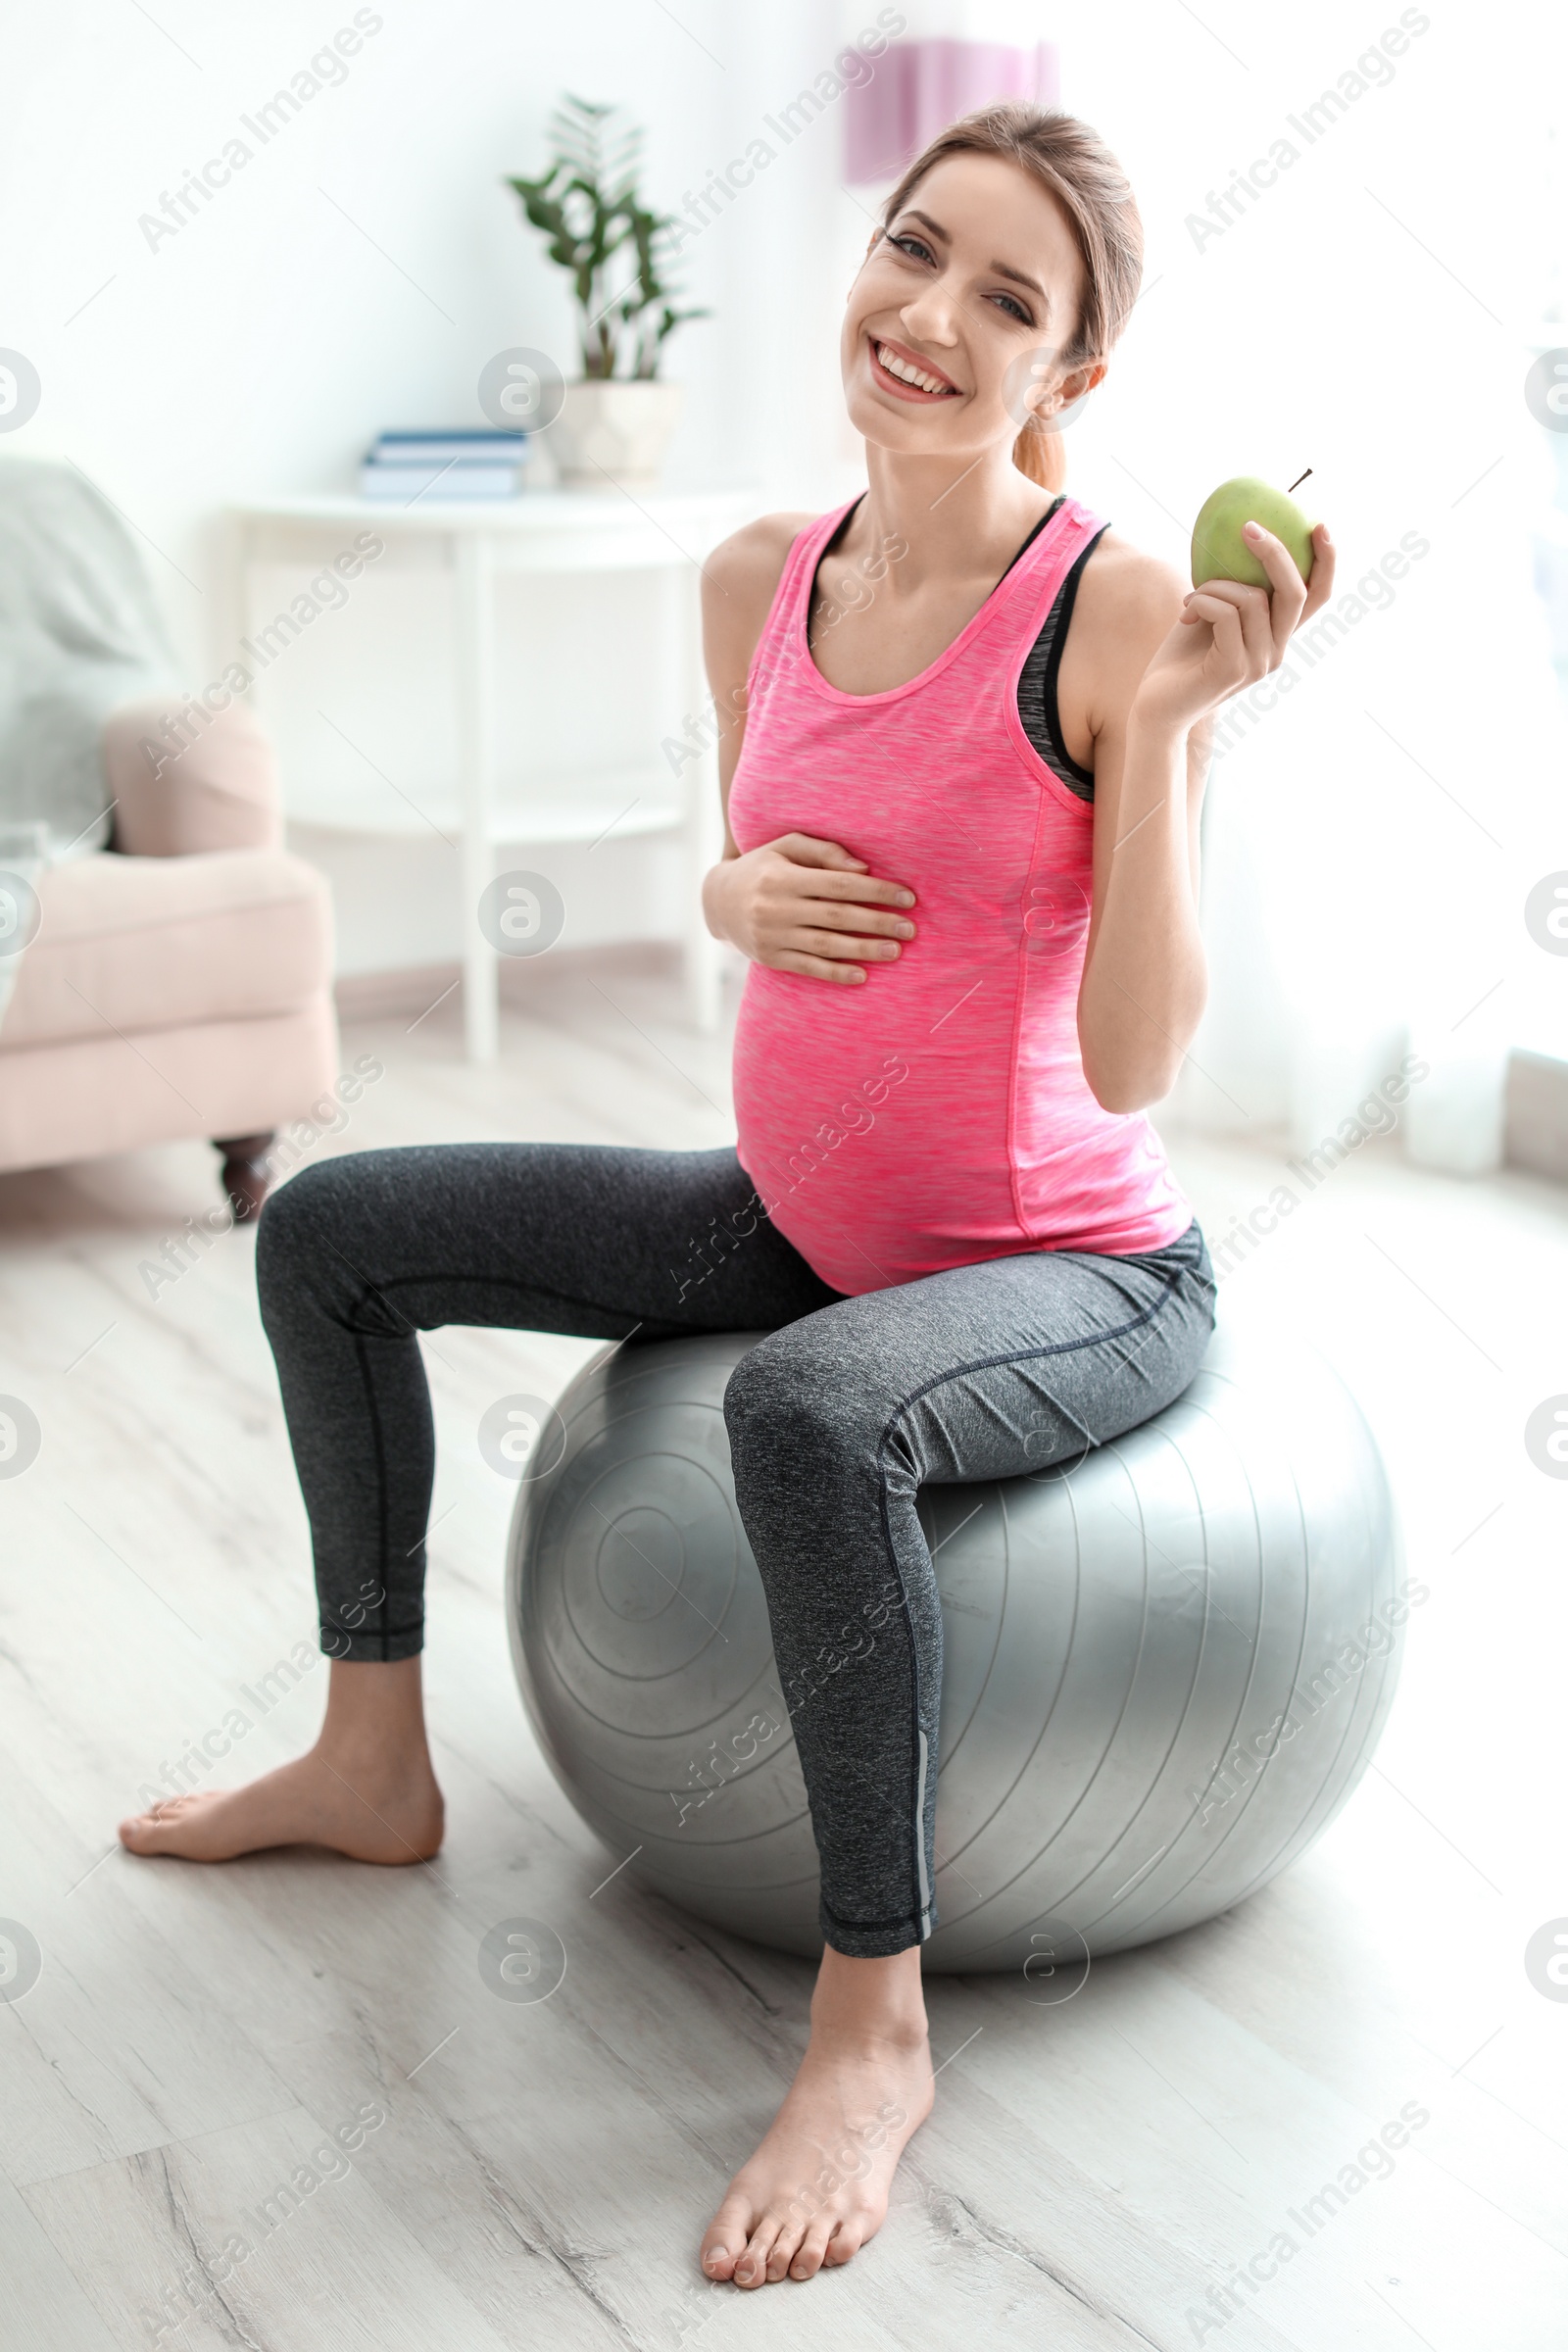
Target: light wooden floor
[{"x": 543, "y": 2170}]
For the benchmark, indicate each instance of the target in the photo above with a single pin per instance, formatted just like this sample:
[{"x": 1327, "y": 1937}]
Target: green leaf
[{"x": 587, "y": 207}]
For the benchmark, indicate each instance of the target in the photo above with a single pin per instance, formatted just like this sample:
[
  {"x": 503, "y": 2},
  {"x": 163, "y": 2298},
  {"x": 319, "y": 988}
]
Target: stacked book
[{"x": 482, "y": 461}]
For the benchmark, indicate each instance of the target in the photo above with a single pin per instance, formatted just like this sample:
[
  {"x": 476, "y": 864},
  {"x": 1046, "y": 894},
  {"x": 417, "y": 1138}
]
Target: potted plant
[{"x": 617, "y": 419}]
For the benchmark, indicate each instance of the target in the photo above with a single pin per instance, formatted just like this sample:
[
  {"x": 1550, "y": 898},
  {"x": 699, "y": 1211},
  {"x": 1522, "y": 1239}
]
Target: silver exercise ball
[{"x": 1166, "y": 1667}]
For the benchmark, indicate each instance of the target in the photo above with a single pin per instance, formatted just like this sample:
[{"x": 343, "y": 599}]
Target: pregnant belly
[{"x": 873, "y": 1121}]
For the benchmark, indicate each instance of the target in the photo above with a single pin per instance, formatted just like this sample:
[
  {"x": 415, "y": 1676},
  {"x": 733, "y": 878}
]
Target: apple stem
[{"x": 1299, "y": 479}]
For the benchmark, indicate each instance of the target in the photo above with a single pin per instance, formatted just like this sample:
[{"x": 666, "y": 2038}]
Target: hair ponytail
[
  {"x": 1077, "y": 167},
  {"x": 1038, "y": 452}
]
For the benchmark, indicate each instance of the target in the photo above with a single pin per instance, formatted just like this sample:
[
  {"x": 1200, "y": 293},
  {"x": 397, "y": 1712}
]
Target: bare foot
[
  {"x": 365, "y": 1812},
  {"x": 818, "y": 2187},
  {"x": 366, "y": 1789}
]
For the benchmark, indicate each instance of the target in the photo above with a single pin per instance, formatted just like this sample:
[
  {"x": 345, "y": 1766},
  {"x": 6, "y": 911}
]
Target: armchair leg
[{"x": 246, "y": 1176}]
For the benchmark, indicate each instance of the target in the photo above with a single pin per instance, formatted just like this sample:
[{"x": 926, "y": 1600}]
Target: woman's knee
[
  {"x": 791, "y": 1398},
  {"x": 305, "y": 1238}
]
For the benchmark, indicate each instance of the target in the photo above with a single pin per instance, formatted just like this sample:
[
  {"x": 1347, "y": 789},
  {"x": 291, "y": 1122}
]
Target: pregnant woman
[{"x": 963, "y": 756}]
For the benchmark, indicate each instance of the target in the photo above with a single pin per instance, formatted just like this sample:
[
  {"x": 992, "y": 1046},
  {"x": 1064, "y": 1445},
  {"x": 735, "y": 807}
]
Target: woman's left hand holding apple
[{"x": 1230, "y": 635}]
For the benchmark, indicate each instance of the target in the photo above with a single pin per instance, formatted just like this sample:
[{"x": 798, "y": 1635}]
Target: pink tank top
[{"x": 937, "y": 1114}]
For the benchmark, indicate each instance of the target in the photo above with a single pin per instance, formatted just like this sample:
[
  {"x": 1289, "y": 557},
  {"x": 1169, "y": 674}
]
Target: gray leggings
[{"x": 835, "y": 1420}]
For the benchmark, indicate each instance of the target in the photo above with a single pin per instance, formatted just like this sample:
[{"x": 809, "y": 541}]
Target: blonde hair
[{"x": 1076, "y": 167}]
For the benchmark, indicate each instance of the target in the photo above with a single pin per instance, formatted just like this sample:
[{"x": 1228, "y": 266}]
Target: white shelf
[
  {"x": 588, "y": 511},
  {"x": 538, "y": 531},
  {"x": 634, "y": 801},
  {"x": 548, "y": 534}
]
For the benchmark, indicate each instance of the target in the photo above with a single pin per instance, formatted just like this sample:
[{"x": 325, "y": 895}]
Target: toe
[
  {"x": 160, "y": 1831},
  {"x": 141, "y": 1832},
  {"x": 724, "y": 2240},
  {"x": 784, "y": 2249},
  {"x": 812, "y": 2246},
  {"x": 752, "y": 2268},
  {"x": 843, "y": 2243}
]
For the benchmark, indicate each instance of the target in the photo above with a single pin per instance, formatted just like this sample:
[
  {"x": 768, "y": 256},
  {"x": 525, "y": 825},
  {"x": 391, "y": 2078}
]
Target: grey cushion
[{"x": 78, "y": 633}]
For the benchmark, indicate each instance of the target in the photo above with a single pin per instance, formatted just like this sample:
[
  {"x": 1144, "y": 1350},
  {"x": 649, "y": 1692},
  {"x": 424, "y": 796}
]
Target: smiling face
[{"x": 954, "y": 322}]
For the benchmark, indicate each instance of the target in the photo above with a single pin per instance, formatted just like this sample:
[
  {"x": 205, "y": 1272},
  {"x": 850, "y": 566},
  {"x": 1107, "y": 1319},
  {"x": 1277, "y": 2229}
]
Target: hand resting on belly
[{"x": 799, "y": 904}]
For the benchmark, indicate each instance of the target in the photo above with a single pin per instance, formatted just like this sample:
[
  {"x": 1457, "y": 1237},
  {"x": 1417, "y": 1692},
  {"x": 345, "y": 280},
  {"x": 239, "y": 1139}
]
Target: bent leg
[
  {"x": 988, "y": 1371},
  {"x": 355, "y": 1258},
  {"x": 358, "y": 1256},
  {"x": 835, "y": 1423}
]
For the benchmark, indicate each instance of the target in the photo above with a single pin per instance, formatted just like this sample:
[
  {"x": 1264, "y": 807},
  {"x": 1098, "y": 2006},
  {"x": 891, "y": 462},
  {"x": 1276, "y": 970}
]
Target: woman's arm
[
  {"x": 1157, "y": 663},
  {"x": 740, "y": 580},
  {"x": 798, "y": 905}
]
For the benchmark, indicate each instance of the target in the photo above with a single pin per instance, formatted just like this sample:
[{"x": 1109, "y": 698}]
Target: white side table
[{"x": 544, "y": 533}]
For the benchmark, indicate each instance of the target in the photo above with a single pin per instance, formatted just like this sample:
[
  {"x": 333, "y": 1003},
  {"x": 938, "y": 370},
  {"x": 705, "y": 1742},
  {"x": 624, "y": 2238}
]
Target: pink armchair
[{"x": 180, "y": 984}]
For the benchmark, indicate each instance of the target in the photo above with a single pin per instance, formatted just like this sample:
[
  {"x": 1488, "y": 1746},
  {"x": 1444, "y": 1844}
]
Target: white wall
[
  {"x": 262, "y": 347},
  {"x": 358, "y": 272},
  {"x": 1365, "y": 317}
]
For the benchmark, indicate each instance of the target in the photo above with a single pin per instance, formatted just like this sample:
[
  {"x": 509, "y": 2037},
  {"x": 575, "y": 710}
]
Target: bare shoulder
[
  {"x": 1124, "y": 609},
  {"x": 1127, "y": 604},
  {"x": 739, "y": 581},
  {"x": 745, "y": 569},
  {"x": 1127, "y": 595}
]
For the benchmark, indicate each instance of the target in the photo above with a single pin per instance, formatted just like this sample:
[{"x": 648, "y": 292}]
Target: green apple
[{"x": 1220, "y": 553}]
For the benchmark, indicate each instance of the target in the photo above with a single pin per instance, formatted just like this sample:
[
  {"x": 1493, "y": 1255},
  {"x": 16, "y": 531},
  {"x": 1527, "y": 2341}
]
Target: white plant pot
[{"x": 619, "y": 431}]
